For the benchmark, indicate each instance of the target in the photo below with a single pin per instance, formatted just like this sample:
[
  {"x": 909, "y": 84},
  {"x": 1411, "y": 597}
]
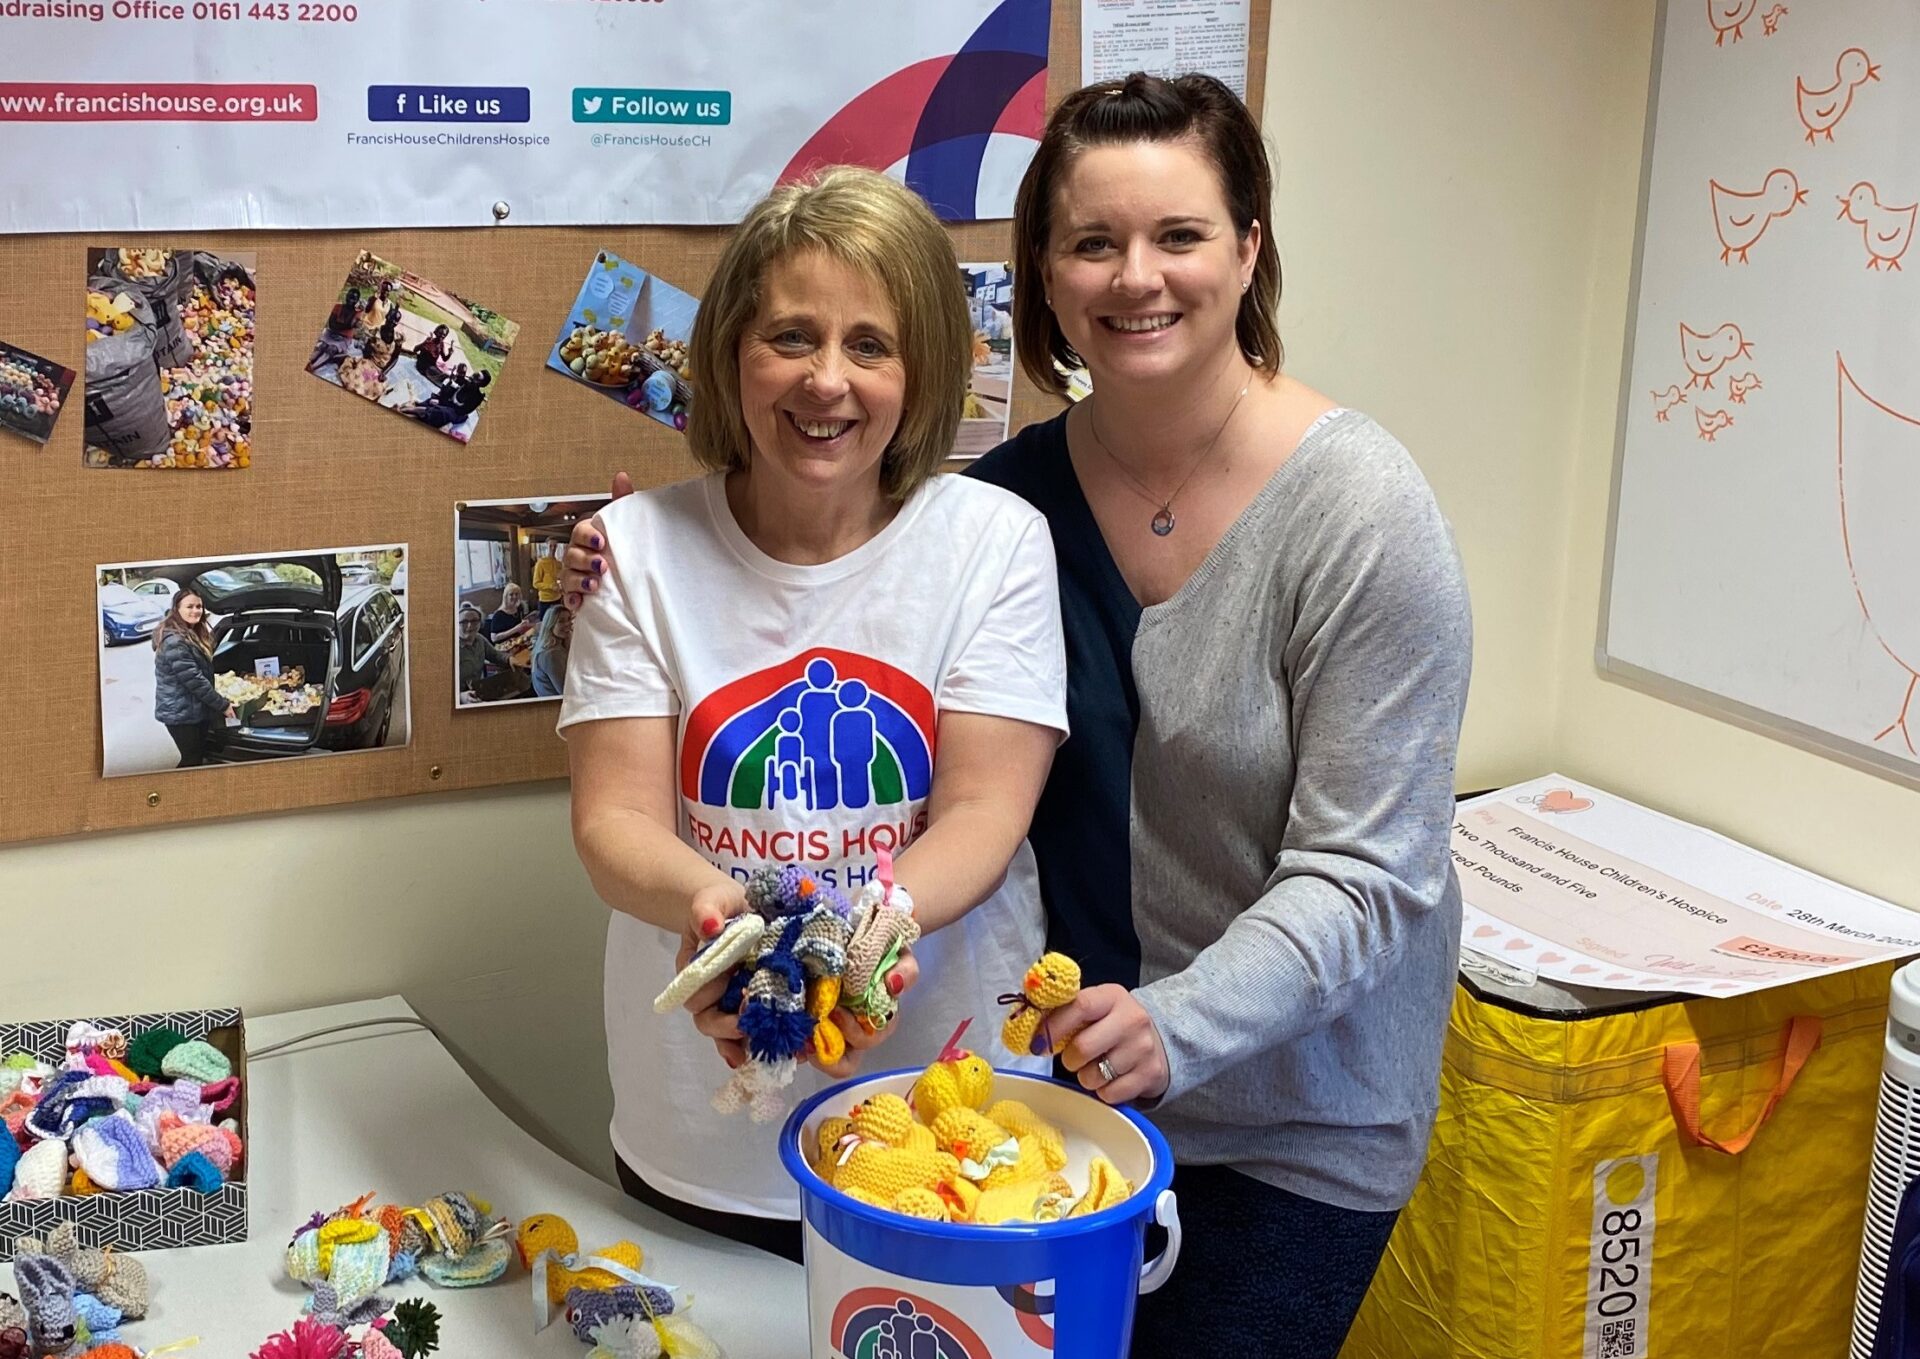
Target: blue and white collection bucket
[{"x": 881, "y": 1285}]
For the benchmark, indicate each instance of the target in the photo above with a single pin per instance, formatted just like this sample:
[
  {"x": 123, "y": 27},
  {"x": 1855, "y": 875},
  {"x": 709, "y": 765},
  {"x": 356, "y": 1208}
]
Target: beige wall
[{"x": 1456, "y": 217}]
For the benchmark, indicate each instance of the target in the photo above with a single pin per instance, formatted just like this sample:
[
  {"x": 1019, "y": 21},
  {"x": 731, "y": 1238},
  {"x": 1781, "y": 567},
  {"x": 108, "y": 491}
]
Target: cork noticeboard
[{"x": 331, "y": 471}]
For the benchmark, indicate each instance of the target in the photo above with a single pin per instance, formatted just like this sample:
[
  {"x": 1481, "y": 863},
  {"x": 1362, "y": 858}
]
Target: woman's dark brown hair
[{"x": 1144, "y": 108}]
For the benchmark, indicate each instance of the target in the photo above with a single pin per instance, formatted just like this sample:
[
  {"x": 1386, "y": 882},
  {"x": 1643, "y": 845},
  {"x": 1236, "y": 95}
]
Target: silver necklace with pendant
[{"x": 1163, "y": 520}]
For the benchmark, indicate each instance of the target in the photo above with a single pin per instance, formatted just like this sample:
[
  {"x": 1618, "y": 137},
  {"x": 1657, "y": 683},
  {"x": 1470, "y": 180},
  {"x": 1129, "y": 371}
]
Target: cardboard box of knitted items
[{"x": 131, "y": 1127}]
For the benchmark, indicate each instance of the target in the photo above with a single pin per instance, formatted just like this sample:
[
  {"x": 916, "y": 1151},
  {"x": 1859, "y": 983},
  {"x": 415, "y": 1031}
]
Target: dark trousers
[
  {"x": 1261, "y": 1271},
  {"x": 191, "y": 737},
  {"x": 776, "y": 1236}
]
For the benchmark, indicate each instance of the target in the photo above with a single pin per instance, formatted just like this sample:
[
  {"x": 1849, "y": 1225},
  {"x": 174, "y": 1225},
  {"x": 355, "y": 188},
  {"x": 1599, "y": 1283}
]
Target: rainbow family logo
[
  {"x": 827, "y": 729},
  {"x": 884, "y": 1323}
]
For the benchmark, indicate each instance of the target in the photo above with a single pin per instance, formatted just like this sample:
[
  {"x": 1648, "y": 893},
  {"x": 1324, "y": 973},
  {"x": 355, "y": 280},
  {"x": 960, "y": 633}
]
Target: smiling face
[
  {"x": 190, "y": 609},
  {"x": 822, "y": 379},
  {"x": 1144, "y": 265}
]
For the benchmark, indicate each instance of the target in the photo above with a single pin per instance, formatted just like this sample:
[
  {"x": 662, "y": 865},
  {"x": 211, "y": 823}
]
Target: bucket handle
[
  {"x": 1166, "y": 1212},
  {"x": 1682, "y": 1078}
]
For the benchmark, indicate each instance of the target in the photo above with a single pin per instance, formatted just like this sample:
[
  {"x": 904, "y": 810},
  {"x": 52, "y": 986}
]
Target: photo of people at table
[
  {"x": 411, "y": 346},
  {"x": 510, "y": 632}
]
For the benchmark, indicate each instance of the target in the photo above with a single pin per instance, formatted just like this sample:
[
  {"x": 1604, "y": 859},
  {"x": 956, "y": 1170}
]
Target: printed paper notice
[
  {"x": 1588, "y": 889},
  {"x": 1165, "y": 37}
]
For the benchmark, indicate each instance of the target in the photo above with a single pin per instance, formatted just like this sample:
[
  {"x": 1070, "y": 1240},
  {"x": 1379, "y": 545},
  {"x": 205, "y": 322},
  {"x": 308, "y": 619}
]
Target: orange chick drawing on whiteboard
[
  {"x": 1770, "y": 21},
  {"x": 1739, "y": 384},
  {"x": 1710, "y": 423},
  {"x": 1821, "y": 110},
  {"x": 1742, "y": 218},
  {"x": 1664, "y": 402},
  {"x": 1887, "y": 231},
  {"x": 1706, "y": 353},
  {"x": 1879, "y": 461},
  {"x": 1728, "y": 17}
]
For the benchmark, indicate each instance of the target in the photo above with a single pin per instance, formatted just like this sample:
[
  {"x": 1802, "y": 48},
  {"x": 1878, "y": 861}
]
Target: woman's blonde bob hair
[{"x": 884, "y": 230}]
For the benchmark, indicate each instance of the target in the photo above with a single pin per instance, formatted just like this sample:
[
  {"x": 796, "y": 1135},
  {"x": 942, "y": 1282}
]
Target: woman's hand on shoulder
[{"x": 585, "y": 560}]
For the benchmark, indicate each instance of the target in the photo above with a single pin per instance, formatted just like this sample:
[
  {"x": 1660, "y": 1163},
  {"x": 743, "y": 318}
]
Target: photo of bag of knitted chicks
[
  {"x": 800, "y": 951},
  {"x": 348, "y": 1255},
  {"x": 608, "y": 1302},
  {"x": 118, "y": 1117},
  {"x": 949, "y": 1151}
]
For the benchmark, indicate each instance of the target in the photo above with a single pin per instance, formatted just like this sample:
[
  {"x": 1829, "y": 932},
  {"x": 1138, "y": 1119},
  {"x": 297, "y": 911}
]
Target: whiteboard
[{"x": 1763, "y": 547}]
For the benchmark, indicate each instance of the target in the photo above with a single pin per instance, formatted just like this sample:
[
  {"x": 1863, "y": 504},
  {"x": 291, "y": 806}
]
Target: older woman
[{"x": 778, "y": 651}]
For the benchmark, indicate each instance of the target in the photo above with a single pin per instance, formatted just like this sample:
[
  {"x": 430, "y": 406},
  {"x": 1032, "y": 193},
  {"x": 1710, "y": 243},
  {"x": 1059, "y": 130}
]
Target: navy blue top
[{"x": 1080, "y": 829}]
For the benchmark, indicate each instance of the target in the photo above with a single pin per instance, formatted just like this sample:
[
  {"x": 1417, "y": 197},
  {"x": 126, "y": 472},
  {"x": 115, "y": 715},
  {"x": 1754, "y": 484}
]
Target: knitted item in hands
[
  {"x": 728, "y": 949},
  {"x": 1050, "y": 983}
]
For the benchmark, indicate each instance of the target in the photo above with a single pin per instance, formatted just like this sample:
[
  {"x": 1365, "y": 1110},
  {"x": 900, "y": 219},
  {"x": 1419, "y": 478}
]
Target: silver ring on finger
[{"x": 1107, "y": 1073}]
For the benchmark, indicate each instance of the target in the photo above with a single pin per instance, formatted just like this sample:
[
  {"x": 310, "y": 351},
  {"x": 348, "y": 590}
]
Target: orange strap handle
[{"x": 1682, "y": 1078}]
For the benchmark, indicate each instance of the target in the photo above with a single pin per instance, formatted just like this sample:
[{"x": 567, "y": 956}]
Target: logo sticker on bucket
[{"x": 859, "y": 1312}]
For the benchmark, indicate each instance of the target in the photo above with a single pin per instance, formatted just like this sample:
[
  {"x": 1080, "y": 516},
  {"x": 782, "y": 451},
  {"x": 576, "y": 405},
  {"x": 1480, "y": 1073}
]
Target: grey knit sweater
[{"x": 1297, "y": 911}]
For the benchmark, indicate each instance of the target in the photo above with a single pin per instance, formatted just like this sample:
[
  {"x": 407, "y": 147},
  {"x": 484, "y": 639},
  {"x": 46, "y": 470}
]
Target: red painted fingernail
[
  {"x": 895, "y": 984},
  {"x": 710, "y": 926}
]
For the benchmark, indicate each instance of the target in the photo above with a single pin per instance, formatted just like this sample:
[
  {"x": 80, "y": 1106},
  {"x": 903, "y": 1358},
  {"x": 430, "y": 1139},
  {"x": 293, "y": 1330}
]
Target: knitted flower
[{"x": 309, "y": 1339}]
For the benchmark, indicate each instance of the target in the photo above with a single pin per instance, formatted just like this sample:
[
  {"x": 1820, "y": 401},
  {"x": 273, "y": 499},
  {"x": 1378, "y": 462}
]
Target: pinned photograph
[
  {"x": 411, "y": 346},
  {"x": 32, "y": 391},
  {"x": 169, "y": 359},
  {"x": 263, "y": 657},
  {"x": 627, "y": 338},
  {"x": 990, "y": 385},
  {"x": 510, "y": 630}
]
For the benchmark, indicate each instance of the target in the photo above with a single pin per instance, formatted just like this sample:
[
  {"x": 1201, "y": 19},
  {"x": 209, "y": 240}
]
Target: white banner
[{"x": 173, "y": 115}]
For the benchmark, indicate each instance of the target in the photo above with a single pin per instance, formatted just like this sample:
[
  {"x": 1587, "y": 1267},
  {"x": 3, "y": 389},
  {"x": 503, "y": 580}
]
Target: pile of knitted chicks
[
  {"x": 118, "y": 1115},
  {"x": 72, "y": 1299},
  {"x": 454, "y": 1240},
  {"x": 800, "y": 951},
  {"x": 950, "y": 1152}
]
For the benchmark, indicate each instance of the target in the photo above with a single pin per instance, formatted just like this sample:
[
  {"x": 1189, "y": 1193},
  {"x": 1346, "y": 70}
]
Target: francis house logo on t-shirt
[{"x": 825, "y": 730}]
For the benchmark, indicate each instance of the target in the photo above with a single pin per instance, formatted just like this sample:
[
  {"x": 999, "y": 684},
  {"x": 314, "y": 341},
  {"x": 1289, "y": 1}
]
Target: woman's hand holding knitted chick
[{"x": 1116, "y": 1050}]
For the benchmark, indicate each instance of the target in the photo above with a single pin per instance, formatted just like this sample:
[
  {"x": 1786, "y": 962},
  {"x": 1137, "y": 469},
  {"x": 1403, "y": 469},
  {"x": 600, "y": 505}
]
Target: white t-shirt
[{"x": 808, "y": 700}]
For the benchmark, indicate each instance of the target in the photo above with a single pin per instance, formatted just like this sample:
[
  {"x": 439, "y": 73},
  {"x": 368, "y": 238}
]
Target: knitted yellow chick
[
  {"x": 956, "y": 1079},
  {"x": 1021, "y": 1121},
  {"x": 978, "y": 1143},
  {"x": 883, "y": 1171},
  {"x": 1021, "y": 1200},
  {"x": 1106, "y": 1186},
  {"x": 888, "y": 1119},
  {"x": 827, "y": 1145},
  {"x": 546, "y": 1232},
  {"x": 1049, "y": 984}
]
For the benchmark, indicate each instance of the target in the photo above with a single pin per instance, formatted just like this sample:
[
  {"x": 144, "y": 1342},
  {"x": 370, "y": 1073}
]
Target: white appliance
[{"x": 1896, "y": 1151}]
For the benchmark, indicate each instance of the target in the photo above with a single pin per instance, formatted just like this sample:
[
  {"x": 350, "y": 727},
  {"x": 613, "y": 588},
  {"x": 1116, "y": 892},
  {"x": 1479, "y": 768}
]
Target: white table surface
[{"x": 388, "y": 1110}]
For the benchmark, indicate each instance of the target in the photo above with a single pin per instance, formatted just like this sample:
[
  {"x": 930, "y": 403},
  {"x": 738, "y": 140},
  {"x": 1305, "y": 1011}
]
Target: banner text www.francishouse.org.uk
[{"x": 31, "y": 102}]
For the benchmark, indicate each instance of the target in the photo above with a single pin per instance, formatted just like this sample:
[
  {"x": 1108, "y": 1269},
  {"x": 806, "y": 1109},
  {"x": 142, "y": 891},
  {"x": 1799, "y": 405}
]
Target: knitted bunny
[
  {"x": 120, "y": 1281},
  {"x": 46, "y": 1289}
]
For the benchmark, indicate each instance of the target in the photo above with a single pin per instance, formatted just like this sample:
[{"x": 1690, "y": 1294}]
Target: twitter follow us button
[
  {"x": 449, "y": 104},
  {"x": 706, "y": 108}
]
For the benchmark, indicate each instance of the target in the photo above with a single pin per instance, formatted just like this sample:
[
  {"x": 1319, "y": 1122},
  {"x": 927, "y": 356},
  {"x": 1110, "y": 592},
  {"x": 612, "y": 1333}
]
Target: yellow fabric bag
[{"x": 1684, "y": 1182}]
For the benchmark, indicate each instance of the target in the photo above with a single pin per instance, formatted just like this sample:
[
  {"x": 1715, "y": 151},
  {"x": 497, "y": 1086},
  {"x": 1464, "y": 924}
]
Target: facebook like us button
[{"x": 448, "y": 104}]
